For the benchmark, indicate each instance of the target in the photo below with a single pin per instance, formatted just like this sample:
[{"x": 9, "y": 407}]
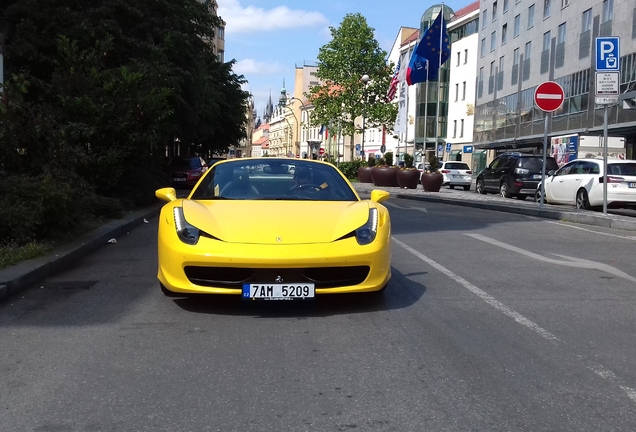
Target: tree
[{"x": 343, "y": 98}]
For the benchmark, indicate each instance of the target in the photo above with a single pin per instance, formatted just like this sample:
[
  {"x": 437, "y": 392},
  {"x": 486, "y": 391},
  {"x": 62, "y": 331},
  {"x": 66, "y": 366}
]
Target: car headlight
[
  {"x": 367, "y": 232},
  {"x": 186, "y": 232}
]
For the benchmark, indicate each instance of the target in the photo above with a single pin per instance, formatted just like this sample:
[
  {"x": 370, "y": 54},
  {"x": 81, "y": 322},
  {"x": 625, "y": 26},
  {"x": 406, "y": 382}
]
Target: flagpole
[
  {"x": 439, "y": 81},
  {"x": 426, "y": 117}
]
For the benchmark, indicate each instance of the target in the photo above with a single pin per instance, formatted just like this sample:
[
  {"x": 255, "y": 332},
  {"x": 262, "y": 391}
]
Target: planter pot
[
  {"x": 432, "y": 182},
  {"x": 408, "y": 179},
  {"x": 385, "y": 176},
  {"x": 364, "y": 174}
]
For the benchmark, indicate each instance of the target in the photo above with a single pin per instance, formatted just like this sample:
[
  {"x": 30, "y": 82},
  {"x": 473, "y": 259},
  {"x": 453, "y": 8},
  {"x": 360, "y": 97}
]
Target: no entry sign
[{"x": 549, "y": 96}]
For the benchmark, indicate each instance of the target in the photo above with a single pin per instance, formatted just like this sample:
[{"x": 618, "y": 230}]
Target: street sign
[
  {"x": 468, "y": 149},
  {"x": 607, "y": 87},
  {"x": 383, "y": 148},
  {"x": 549, "y": 96},
  {"x": 607, "y": 54},
  {"x": 321, "y": 151},
  {"x": 448, "y": 147}
]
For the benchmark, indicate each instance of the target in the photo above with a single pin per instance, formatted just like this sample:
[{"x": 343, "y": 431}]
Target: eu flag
[{"x": 434, "y": 48}]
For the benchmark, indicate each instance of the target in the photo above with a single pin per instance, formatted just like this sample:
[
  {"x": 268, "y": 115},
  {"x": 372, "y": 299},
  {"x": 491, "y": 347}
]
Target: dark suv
[{"x": 514, "y": 174}]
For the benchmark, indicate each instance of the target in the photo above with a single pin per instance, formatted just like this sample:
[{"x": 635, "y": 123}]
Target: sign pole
[
  {"x": 545, "y": 153},
  {"x": 605, "y": 160}
]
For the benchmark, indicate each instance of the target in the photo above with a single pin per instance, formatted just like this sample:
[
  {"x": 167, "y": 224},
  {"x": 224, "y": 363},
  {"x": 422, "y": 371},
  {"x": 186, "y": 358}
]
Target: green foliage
[
  {"x": 435, "y": 165},
  {"x": 381, "y": 162},
  {"x": 350, "y": 169},
  {"x": 371, "y": 161},
  {"x": 388, "y": 157},
  {"x": 343, "y": 97},
  {"x": 408, "y": 160},
  {"x": 12, "y": 253}
]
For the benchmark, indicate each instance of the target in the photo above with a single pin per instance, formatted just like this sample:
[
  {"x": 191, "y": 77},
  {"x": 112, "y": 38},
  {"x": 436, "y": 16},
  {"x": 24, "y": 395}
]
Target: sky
[{"x": 269, "y": 38}]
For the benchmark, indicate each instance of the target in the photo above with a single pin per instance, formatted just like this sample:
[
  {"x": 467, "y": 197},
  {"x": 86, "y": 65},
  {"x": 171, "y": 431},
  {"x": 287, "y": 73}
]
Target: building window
[
  {"x": 517, "y": 25},
  {"x": 504, "y": 34},
  {"x": 456, "y": 92},
  {"x": 484, "y": 18},
  {"x": 587, "y": 21},
  {"x": 546, "y": 8},
  {"x": 465, "y": 56},
  {"x": 531, "y": 17},
  {"x": 464, "y": 90},
  {"x": 546, "y": 41},
  {"x": 561, "y": 34},
  {"x": 461, "y": 128},
  {"x": 493, "y": 40},
  {"x": 494, "y": 11},
  {"x": 221, "y": 33},
  {"x": 483, "y": 47},
  {"x": 459, "y": 54},
  {"x": 454, "y": 128},
  {"x": 608, "y": 11},
  {"x": 505, "y": 6},
  {"x": 565, "y": 3},
  {"x": 515, "y": 57}
]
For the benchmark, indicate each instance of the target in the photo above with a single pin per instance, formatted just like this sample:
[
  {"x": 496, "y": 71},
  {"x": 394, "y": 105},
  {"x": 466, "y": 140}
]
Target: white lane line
[
  {"x": 481, "y": 294},
  {"x": 572, "y": 261},
  {"x": 592, "y": 231},
  {"x": 610, "y": 376},
  {"x": 422, "y": 209}
]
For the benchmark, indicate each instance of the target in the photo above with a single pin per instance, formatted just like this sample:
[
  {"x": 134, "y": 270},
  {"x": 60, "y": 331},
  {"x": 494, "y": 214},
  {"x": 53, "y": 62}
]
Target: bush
[
  {"x": 408, "y": 160},
  {"x": 371, "y": 162},
  {"x": 388, "y": 157},
  {"x": 381, "y": 162},
  {"x": 435, "y": 165},
  {"x": 350, "y": 169}
]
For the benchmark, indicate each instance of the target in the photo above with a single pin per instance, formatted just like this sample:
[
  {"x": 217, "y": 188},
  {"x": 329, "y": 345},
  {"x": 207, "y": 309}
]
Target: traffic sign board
[
  {"x": 383, "y": 148},
  {"x": 607, "y": 53},
  {"x": 549, "y": 96},
  {"x": 449, "y": 146},
  {"x": 321, "y": 151}
]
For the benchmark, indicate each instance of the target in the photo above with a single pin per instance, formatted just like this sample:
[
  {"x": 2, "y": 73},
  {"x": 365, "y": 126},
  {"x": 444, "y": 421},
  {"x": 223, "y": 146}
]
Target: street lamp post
[
  {"x": 291, "y": 99},
  {"x": 4, "y": 29},
  {"x": 365, "y": 80}
]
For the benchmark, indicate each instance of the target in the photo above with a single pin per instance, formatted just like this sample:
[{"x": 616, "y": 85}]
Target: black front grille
[{"x": 322, "y": 277}]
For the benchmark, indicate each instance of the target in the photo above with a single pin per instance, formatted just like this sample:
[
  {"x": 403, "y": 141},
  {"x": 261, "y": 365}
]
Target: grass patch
[{"x": 13, "y": 254}]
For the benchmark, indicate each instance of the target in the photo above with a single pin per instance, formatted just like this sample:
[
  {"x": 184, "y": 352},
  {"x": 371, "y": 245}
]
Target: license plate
[
  {"x": 631, "y": 185},
  {"x": 536, "y": 176},
  {"x": 278, "y": 291},
  {"x": 178, "y": 179},
  {"x": 457, "y": 175}
]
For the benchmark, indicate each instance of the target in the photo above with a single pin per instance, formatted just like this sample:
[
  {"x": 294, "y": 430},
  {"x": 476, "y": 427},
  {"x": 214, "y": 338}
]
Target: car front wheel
[{"x": 479, "y": 187}]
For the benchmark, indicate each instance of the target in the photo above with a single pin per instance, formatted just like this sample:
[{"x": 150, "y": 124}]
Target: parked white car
[
  {"x": 580, "y": 183},
  {"x": 456, "y": 174}
]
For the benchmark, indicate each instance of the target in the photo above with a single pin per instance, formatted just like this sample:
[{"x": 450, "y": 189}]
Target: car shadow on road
[{"x": 400, "y": 293}]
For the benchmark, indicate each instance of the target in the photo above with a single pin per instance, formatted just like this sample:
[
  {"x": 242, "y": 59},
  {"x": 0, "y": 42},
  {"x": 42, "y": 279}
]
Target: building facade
[{"x": 524, "y": 43}]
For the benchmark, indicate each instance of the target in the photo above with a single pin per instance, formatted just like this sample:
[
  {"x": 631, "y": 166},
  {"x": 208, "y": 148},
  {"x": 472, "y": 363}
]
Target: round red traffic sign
[
  {"x": 321, "y": 151},
  {"x": 549, "y": 96}
]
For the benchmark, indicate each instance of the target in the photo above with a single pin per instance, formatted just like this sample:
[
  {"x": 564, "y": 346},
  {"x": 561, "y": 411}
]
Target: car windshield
[
  {"x": 193, "y": 162},
  {"x": 456, "y": 165},
  {"x": 535, "y": 164},
  {"x": 626, "y": 168},
  {"x": 274, "y": 179}
]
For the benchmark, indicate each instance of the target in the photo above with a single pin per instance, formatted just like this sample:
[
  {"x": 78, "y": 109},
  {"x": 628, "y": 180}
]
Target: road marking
[
  {"x": 422, "y": 209},
  {"x": 481, "y": 294},
  {"x": 573, "y": 262},
  {"x": 592, "y": 231}
]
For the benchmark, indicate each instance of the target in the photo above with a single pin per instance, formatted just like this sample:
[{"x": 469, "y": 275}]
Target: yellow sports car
[{"x": 273, "y": 228}]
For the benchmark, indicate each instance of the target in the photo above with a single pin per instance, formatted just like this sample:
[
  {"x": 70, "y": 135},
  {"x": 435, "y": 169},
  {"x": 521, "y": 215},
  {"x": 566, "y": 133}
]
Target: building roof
[
  {"x": 466, "y": 10},
  {"x": 262, "y": 141}
]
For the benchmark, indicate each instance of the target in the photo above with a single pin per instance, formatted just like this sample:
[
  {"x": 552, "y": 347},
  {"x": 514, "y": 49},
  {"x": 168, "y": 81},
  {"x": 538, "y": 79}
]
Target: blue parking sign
[
  {"x": 448, "y": 147},
  {"x": 608, "y": 53}
]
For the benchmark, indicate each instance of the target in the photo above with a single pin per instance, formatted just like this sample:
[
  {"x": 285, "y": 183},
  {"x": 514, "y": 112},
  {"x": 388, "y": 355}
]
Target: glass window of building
[
  {"x": 464, "y": 90},
  {"x": 505, "y": 6},
  {"x": 546, "y": 41},
  {"x": 493, "y": 40},
  {"x": 528, "y": 51},
  {"x": 459, "y": 55},
  {"x": 561, "y": 34},
  {"x": 608, "y": 10},
  {"x": 494, "y": 11},
  {"x": 586, "y": 21},
  {"x": 483, "y": 47},
  {"x": 517, "y": 25},
  {"x": 530, "y": 16},
  {"x": 461, "y": 128},
  {"x": 484, "y": 18},
  {"x": 465, "y": 56},
  {"x": 515, "y": 57},
  {"x": 504, "y": 34},
  {"x": 565, "y": 3},
  {"x": 456, "y": 92},
  {"x": 546, "y": 8},
  {"x": 454, "y": 128}
]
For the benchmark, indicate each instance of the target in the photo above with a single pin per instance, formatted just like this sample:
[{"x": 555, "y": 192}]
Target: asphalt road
[{"x": 492, "y": 322}]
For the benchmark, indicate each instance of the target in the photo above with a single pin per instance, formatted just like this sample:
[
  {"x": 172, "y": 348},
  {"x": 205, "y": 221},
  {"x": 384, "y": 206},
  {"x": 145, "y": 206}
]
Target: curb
[{"x": 17, "y": 278}]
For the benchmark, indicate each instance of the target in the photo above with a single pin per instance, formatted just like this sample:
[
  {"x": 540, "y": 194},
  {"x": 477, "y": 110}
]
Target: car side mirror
[
  {"x": 550, "y": 172},
  {"x": 378, "y": 195}
]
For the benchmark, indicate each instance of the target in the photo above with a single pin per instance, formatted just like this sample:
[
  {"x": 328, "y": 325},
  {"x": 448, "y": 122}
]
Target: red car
[{"x": 185, "y": 171}]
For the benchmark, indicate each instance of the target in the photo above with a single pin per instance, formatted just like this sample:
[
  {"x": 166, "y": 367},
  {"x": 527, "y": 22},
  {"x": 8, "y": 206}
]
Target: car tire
[
  {"x": 582, "y": 201},
  {"x": 167, "y": 292},
  {"x": 503, "y": 190},
  {"x": 479, "y": 188},
  {"x": 537, "y": 196},
  {"x": 467, "y": 187},
  {"x": 451, "y": 186},
  {"x": 521, "y": 197}
]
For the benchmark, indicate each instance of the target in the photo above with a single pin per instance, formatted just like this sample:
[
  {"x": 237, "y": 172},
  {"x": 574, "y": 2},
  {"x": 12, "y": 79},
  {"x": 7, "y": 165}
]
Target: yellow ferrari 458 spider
[{"x": 273, "y": 228}]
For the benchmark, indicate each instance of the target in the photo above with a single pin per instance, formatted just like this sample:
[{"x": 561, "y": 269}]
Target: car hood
[{"x": 276, "y": 222}]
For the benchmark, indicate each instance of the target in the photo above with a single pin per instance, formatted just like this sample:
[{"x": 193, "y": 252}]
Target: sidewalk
[
  {"x": 509, "y": 205},
  {"x": 16, "y": 278}
]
